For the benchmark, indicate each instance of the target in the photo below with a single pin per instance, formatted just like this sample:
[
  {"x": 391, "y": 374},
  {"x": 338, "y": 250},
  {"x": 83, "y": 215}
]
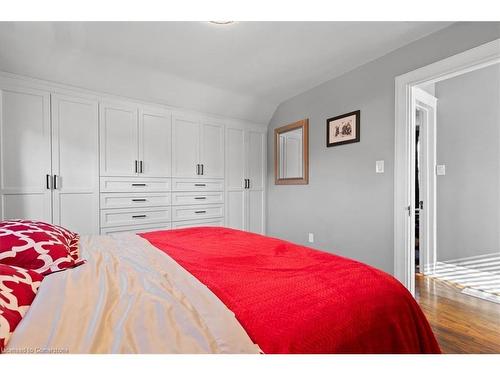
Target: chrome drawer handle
[
  {"x": 200, "y": 184},
  {"x": 139, "y": 216},
  {"x": 138, "y": 184},
  {"x": 200, "y": 212},
  {"x": 200, "y": 197},
  {"x": 139, "y": 200}
]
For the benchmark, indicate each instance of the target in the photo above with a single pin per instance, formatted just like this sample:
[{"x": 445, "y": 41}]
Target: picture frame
[{"x": 343, "y": 129}]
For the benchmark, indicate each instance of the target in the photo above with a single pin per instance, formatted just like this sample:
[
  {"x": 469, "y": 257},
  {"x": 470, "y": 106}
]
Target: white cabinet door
[
  {"x": 256, "y": 222},
  {"x": 155, "y": 143},
  {"x": 256, "y": 169},
  {"x": 235, "y": 178},
  {"x": 119, "y": 139},
  {"x": 256, "y": 151},
  {"x": 185, "y": 147},
  {"x": 75, "y": 165},
  {"x": 25, "y": 154},
  {"x": 212, "y": 150}
]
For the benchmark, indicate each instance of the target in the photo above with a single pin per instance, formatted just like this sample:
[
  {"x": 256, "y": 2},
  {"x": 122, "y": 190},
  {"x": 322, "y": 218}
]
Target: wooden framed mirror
[{"x": 291, "y": 154}]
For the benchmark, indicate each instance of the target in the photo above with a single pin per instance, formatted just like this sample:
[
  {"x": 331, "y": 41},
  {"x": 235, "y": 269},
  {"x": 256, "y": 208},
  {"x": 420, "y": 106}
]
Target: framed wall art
[{"x": 343, "y": 129}]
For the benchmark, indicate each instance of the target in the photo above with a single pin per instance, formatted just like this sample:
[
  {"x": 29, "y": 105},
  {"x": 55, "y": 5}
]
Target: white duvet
[{"x": 128, "y": 298}]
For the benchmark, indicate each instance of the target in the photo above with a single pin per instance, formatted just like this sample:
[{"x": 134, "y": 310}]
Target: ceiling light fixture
[{"x": 221, "y": 22}]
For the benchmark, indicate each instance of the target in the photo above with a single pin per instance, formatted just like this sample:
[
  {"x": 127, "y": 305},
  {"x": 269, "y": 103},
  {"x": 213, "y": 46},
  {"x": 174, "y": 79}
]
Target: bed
[{"x": 219, "y": 290}]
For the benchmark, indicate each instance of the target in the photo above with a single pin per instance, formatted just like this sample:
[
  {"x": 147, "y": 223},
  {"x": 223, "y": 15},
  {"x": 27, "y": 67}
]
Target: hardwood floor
[{"x": 461, "y": 323}]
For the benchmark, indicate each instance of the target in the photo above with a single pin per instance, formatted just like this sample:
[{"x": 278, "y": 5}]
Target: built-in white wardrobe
[
  {"x": 245, "y": 176},
  {"x": 49, "y": 158},
  {"x": 100, "y": 164}
]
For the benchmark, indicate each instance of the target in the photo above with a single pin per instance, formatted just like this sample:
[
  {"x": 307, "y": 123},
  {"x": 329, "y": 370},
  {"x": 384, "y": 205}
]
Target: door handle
[
  {"x": 136, "y": 166},
  {"x": 55, "y": 182},
  {"x": 202, "y": 169},
  {"x": 48, "y": 182},
  {"x": 248, "y": 186},
  {"x": 198, "y": 169},
  {"x": 141, "y": 164}
]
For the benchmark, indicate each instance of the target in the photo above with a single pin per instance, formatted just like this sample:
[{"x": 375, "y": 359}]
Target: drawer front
[
  {"x": 119, "y": 217},
  {"x": 189, "y": 198},
  {"x": 132, "y": 200},
  {"x": 127, "y": 184},
  {"x": 219, "y": 222},
  {"x": 186, "y": 184},
  {"x": 197, "y": 212},
  {"x": 136, "y": 228}
]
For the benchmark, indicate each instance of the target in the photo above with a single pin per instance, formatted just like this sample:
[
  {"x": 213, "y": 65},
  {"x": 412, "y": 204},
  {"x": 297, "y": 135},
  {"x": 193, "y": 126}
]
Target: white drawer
[
  {"x": 190, "y": 197},
  {"x": 137, "y": 216},
  {"x": 197, "y": 212},
  {"x": 186, "y": 184},
  {"x": 127, "y": 184},
  {"x": 132, "y": 200},
  {"x": 136, "y": 228},
  {"x": 219, "y": 222}
]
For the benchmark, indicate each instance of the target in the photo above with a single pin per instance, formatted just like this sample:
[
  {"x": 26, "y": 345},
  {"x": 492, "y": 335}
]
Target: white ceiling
[{"x": 261, "y": 64}]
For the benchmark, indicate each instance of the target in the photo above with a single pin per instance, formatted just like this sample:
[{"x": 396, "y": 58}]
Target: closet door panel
[
  {"x": 256, "y": 211},
  {"x": 256, "y": 159},
  {"x": 119, "y": 140},
  {"x": 236, "y": 211},
  {"x": 24, "y": 154},
  {"x": 78, "y": 212},
  {"x": 236, "y": 197},
  {"x": 75, "y": 163},
  {"x": 155, "y": 143},
  {"x": 185, "y": 147},
  {"x": 212, "y": 150},
  {"x": 256, "y": 169},
  {"x": 235, "y": 159}
]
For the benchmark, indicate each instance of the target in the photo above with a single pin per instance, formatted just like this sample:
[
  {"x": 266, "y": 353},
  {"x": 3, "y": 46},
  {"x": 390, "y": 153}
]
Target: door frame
[
  {"x": 404, "y": 192},
  {"x": 427, "y": 105}
]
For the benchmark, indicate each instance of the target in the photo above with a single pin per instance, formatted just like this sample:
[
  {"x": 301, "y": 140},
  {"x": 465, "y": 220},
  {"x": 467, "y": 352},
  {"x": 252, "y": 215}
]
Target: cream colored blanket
[{"x": 128, "y": 298}]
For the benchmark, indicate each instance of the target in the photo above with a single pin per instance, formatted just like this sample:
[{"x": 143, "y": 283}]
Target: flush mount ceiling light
[{"x": 221, "y": 22}]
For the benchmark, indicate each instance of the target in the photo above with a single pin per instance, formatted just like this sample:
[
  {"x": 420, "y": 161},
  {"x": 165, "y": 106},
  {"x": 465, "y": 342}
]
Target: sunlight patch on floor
[{"x": 479, "y": 276}]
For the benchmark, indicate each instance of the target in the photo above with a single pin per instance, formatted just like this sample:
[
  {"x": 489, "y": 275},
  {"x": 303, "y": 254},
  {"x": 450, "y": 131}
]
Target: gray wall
[
  {"x": 346, "y": 205},
  {"x": 468, "y": 143}
]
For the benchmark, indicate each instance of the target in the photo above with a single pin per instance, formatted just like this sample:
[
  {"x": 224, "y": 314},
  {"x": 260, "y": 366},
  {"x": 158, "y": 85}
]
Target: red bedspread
[{"x": 293, "y": 299}]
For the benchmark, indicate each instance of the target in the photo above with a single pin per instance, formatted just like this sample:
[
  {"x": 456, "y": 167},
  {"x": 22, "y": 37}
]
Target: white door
[
  {"x": 155, "y": 143},
  {"x": 426, "y": 106},
  {"x": 119, "y": 140},
  {"x": 235, "y": 178},
  {"x": 212, "y": 150},
  {"x": 185, "y": 147},
  {"x": 25, "y": 154},
  {"x": 75, "y": 164},
  {"x": 256, "y": 151}
]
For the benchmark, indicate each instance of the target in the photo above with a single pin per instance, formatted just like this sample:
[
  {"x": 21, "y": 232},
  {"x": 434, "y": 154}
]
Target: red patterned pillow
[
  {"x": 42, "y": 247},
  {"x": 18, "y": 288}
]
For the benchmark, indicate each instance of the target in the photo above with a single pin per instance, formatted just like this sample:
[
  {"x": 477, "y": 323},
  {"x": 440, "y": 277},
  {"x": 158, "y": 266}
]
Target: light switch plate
[
  {"x": 440, "y": 169},
  {"x": 311, "y": 237},
  {"x": 379, "y": 166}
]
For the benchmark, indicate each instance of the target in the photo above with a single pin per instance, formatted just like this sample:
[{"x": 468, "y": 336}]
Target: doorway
[
  {"x": 457, "y": 212},
  {"x": 447, "y": 196},
  {"x": 405, "y": 148}
]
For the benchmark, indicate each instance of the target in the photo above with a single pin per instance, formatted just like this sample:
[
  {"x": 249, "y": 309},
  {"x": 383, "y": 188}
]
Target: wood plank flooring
[{"x": 461, "y": 323}]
